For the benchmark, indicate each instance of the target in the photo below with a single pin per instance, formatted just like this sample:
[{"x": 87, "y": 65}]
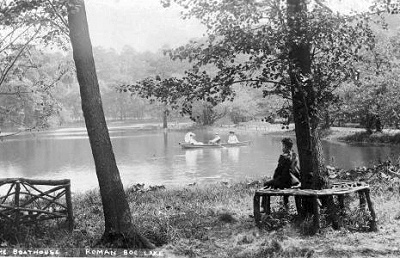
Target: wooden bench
[
  {"x": 29, "y": 201},
  {"x": 339, "y": 189}
]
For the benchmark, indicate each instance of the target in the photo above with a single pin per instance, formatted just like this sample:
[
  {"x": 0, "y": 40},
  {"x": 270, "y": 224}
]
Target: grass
[{"x": 215, "y": 221}]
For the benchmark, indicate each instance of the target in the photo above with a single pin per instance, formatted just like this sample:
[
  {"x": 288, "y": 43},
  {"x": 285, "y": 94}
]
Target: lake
[{"x": 154, "y": 157}]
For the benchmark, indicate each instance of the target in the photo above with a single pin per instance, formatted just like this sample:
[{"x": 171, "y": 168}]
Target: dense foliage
[
  {"x": 26, "y": 74},
  {"x": 248, "y": 44},
  {"x": 373, "y": 100},
  {"x": 246, "y": 48}
]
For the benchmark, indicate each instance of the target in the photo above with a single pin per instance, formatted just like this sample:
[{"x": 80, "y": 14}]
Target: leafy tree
[
  {"x": 24, "y": 86},
  {"x": 162, "y": 87},
  {"x": 246, "y": 105},
  {"x": 373, "y": 100},
  {"x": 119, "y": 228},
  {"x": 204, "y": 113},
  {"x": 27, "y": 92},
  {"x": 299, "y": 52}
]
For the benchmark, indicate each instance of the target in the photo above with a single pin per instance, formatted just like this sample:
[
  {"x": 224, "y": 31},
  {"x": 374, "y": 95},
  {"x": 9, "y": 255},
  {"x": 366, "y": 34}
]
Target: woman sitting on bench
[{"x": 287, "y": 173}]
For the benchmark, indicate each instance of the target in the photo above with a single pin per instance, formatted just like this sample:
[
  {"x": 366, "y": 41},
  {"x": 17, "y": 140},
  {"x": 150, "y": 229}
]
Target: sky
[
  {"x": 142, "y": 24},
  {"x": 146, "y": 26}
]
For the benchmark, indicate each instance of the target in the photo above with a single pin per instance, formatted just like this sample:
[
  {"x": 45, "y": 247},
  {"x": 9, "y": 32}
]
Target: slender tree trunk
[
  {"x": 378, "y": 124},
  {"x": 119, "y": 228},
  {"x": 327, "y": 120},
  {"x": 165, "y": 117}
]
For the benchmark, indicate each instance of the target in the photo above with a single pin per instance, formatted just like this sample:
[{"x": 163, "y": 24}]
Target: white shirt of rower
[
  {"x": 192, "y": 140},
  {"x": 233, "y": 139},
  {"x": 216, "y": 139}
]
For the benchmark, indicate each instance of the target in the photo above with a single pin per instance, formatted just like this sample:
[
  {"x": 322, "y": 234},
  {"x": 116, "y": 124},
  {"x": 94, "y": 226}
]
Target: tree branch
[
  {"x": 4, "y": 75},
  {"x": 64, "y": 30},
  {"x": 323, "y": 6},
  {"x": 14, "y": 93},
  {"x": 62, "y": 73},
  {"x": 15, "y": 39},
  {"x": 263, "y": 81},
  {"x": 58, "y": 14}
]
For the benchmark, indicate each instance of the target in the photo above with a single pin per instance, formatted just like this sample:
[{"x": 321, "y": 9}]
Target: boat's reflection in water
[
  {"x": 192, "y": 157},
  {"x": 216, "y": 155},
  {"x": 233, "y": 154}
]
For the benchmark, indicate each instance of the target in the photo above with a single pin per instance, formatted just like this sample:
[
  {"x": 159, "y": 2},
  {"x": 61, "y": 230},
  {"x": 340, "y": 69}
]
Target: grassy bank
[
  {"x": 216, "y": 221},
  {"x": 375, "y": 138}
]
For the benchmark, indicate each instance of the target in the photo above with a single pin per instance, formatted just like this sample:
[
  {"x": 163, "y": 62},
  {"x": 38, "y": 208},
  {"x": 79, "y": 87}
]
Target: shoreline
[
  {"x": 388, "y": 137},
  {"x": 348, "y": 135}
]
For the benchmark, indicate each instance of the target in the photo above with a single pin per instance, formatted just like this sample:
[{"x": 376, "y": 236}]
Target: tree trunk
[
  {"x": 305, "y": 113},
  {"x": 327, "y": 120},
  {"x": 378, "y": 124},
  {"x": 165, "y": 117},
  {"x": 119, "y": 228}
]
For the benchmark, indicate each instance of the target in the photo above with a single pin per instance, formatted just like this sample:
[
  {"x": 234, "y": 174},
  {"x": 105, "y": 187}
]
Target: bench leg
[
  {"x": 372, "y": 226},
  {"x": 17, "y": 210},
  {"x": 317, "y": 224},
  {"x": 334, "y": 215},
  {"x": 341, "y": 205},
  {"x": 70, "y": 216},
  {"x": 286, "y": 202},
  {"x": 256, "y": 209},
  {"x": 266, "y": 204},
  {"x": 299, "y": 207},
  {"x": 361, "y": 196}
]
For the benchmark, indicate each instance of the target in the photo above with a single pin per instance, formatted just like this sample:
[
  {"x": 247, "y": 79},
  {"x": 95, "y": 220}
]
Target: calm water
[{"x": 154, "y": 157}]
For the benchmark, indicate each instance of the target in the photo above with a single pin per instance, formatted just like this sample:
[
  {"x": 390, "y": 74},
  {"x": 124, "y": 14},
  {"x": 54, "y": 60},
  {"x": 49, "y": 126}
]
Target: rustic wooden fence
[{"x": 25, "y": 201}]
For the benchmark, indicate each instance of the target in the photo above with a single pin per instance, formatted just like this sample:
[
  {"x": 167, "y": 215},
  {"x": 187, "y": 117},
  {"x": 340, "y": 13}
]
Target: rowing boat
[
  {"x": 205, "y": 145},
  {"x": 244, "y": 143}
]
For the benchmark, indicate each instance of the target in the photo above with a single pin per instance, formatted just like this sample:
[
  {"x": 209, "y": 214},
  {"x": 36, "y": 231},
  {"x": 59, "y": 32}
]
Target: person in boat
[
  {"x": 216, "y": 140},
  {"x": 232, "y": 137},
  {"x": 190, "y": 138},
  {"x": 287, "y": 173}
]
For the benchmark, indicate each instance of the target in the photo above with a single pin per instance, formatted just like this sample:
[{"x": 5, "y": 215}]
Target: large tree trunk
[
  {"x": 119, "y": 228},
  {"x": 305, "y": 113}
]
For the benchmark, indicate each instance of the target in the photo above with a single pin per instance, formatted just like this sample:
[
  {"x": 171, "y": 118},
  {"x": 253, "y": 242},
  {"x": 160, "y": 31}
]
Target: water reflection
[
  {"x": 192, "y": 157},
  {"x": 233, "y": 154},
  {"x": 357, "y": 155},
  {"x": 216, "y": 155}
]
